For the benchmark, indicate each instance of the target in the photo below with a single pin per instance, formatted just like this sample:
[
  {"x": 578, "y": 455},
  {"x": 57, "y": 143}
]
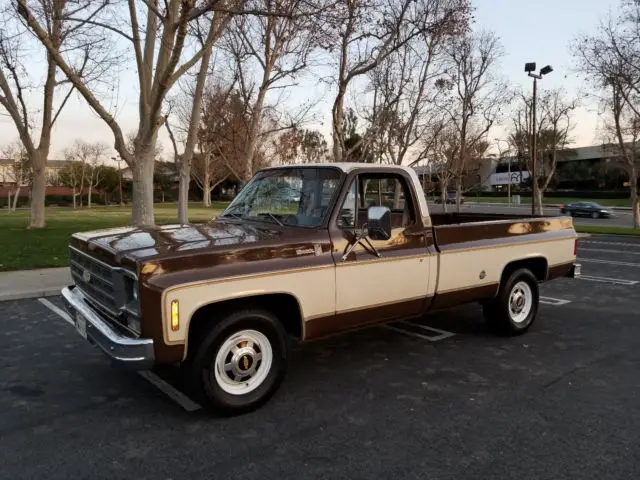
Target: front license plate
[{"x": 81, "y": 325}]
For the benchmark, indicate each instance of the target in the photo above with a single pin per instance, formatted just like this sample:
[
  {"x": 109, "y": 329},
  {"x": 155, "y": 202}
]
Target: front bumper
[
  {"x": 574, "y": 271},
  {"x": 132, "y": 353}
]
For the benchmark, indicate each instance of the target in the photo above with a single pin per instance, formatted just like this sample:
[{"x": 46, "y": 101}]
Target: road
[
  {"x": 623, "y": 218},
  {"x": 559, "y": 402}
]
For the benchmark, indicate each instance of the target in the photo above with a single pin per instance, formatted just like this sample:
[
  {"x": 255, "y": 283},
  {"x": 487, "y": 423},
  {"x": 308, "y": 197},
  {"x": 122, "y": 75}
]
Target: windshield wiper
[
  {"x": 231, "y": 214},
  {"x": 271, "y": 215}
]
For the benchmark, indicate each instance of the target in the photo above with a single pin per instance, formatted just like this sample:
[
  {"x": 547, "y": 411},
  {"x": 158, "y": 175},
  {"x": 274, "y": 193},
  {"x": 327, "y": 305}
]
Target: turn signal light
[{"x": 175, "y": 318}]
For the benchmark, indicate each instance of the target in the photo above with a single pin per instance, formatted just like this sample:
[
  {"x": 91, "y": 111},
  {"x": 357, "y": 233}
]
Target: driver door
[{"x": 372, "y": 288}]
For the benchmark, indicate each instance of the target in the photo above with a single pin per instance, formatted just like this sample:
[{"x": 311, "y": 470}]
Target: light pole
[
  {"x": 530, "y": 68},
  {"x": 119, "y": 177}
]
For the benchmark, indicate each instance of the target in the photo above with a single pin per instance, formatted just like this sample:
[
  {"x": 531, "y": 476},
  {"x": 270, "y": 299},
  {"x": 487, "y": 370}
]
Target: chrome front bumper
[{"x": 133, "y": 353}]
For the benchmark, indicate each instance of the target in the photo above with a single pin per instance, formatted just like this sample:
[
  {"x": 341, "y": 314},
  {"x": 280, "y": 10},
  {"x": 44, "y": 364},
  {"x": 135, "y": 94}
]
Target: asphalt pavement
[
  {"x": 623, "y": 218},
  {"x": 443, "y": 400}
]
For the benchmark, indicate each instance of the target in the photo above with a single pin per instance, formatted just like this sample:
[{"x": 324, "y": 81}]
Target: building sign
[{"x": 503, "y": 178}]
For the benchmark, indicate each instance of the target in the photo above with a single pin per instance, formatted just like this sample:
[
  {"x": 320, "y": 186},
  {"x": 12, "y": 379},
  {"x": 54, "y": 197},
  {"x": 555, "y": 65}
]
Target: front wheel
[
  {"x": 514, "y": 309},
  {"x": 240, "y": 363},
  {"x": 594, "y": 215}
]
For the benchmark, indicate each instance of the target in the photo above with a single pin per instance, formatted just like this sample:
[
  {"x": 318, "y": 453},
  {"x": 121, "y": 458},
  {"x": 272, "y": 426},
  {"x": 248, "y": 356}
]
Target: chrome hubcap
[
  {"x": 243, "y": 362},
  {"x": 520, "y": 302}
]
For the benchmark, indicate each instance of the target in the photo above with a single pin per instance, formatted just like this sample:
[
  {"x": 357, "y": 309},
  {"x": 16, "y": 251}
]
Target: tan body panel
[
  {"x": 313, "y": 288},
  {"x": 462, "y": 269}
]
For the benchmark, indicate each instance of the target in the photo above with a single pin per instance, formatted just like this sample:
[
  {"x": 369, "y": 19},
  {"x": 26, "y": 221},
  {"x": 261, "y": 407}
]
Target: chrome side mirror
[{"x": 379, "y": 223}]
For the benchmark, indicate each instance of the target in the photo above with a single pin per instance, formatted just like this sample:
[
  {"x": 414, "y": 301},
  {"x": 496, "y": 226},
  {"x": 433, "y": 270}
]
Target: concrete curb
[
  {"x": 43, "y": 282},
  {"x": 50, "y": 292}
]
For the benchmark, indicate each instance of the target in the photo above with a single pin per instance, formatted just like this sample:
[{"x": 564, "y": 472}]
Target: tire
[
  {"x": 594, "y": 215},
  {"x": 497, "y": 312},
  {"x": 210, "y": 384}
]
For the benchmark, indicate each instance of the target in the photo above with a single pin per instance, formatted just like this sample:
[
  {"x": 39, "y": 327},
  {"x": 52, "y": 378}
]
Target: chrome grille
[{"x": 100, "y": 286}]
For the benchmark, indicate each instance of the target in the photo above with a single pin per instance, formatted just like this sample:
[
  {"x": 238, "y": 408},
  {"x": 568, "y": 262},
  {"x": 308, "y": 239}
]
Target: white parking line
[
  {"x": 61, "y": 313},
  {"x": 610, "y": 262},
  {"x": 442, "y": 334},
  {"x": 554, "y": 301},
  {"x": 172, "y": 392},
  {"x": 604, "y": 250},
  {"x": 168, "y": 389},
  {"x": 616, "y": 281}
]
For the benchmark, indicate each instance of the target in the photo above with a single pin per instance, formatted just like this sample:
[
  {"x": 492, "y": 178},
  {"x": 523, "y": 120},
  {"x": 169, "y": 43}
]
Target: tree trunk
[
  {"x": 206, "y": 193},
  {"x": 443, "y": 196},
  {"x": 89, "y": 194},
  {"x": 338, "y": 114},
  {"x": 15, "y": 200},
  {"x": 252, "y": 145},
  {"x": 142, "y": 185},
  {"x": 538, "y": 206},
  {"x": 458, "y": 193},
  {"x": 38, "y": 191},
  {"x": 183, "y": 192}
]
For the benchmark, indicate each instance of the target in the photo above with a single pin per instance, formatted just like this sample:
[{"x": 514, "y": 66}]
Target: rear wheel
[
  {"x": 240, "y": 363},
  {"x": 514, "y": 309},
  {"x": 594, "y": 215}
]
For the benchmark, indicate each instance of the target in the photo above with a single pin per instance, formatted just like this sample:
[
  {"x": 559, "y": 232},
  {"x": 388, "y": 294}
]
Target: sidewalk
[{"x": 33, "y": 283}]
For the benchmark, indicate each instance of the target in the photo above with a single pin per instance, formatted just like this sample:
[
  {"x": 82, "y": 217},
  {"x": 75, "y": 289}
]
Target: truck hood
[{"x": 129, "y": 245}]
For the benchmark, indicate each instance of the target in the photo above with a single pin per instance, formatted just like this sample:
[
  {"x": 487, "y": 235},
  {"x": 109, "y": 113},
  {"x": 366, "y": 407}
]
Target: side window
[
  {"x": 347, "y": 214},
  {"x": 376, "y": 190}
]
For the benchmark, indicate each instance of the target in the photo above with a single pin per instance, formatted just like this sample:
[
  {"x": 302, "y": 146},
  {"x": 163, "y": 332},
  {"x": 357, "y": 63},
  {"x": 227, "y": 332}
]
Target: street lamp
[
  {"x": 530, "y": 68},
  {"x": 119, "y": 176}
]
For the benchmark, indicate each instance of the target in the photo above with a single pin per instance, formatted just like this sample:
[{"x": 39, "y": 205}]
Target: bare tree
[
  {"x": 269, "y": 54},
  {"x": 74, "y": 173},
  {"x": 313, "y": 146},
  {"x": 80, "y": 45},
  {"x": 191, "y": 118},
  {"x": 368, "y": 32},
  {"x": 610, "y": 60},
  {"x": 287, "y": 147},
  {"x": 404, "y": 88},
  {"x": 20, "y": 171},
  {"x": 159, "y": 37},
  {"x": 553, "y": 128},
  {"x": 442, "y": 157},
  {"x": 476, "y": 94},
  {"x": 96, "y": 154}
]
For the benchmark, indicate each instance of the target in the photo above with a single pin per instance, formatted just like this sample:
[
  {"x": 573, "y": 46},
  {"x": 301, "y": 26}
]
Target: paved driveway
[{"x": 560, "y": 402}]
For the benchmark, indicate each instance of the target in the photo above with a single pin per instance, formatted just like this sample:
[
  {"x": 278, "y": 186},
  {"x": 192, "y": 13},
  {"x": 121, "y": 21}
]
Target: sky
[{"x": 533, "y": 31}]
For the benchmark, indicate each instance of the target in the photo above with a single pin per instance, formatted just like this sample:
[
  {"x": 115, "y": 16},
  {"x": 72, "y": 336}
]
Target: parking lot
[{"x": 448, "y": 401}]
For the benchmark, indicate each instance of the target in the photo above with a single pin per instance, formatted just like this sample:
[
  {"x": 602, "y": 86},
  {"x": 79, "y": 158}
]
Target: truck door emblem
[
  {"x": 483, "y": 274},
  {"x": 304, "y": 251},
  {"x": 317, "y": 249},
  {"x": 86, "y": 276}
]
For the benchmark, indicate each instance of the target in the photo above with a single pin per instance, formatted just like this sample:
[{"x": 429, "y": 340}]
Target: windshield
[{"x": 287, "y": 196}]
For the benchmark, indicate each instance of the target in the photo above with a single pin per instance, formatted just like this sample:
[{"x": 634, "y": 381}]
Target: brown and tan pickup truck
[{"x": 302, "y": 252}]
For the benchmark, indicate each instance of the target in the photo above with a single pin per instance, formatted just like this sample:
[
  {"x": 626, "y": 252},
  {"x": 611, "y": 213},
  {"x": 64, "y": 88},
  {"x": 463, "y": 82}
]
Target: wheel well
[
  {"x": 282, "y": 305},
  {"x": 537, "y": 265}
]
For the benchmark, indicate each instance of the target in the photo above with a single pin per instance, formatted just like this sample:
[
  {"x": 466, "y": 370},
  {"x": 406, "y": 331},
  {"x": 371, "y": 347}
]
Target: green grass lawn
[
  {"x": 24, "y": 249},
  {"x": 606, "y": 202}
]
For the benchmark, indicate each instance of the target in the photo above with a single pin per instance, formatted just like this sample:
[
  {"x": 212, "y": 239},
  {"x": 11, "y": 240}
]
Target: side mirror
[{"x": 379, "y": 223}]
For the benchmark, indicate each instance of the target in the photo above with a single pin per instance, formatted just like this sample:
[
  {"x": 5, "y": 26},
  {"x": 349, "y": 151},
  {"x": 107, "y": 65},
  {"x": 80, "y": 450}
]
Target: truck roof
[{"x": 344, "y": 166}]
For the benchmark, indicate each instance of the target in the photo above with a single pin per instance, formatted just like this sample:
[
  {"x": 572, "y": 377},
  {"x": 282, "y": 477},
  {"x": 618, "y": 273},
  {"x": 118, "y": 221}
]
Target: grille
[{"x": 100, "y": 287}]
